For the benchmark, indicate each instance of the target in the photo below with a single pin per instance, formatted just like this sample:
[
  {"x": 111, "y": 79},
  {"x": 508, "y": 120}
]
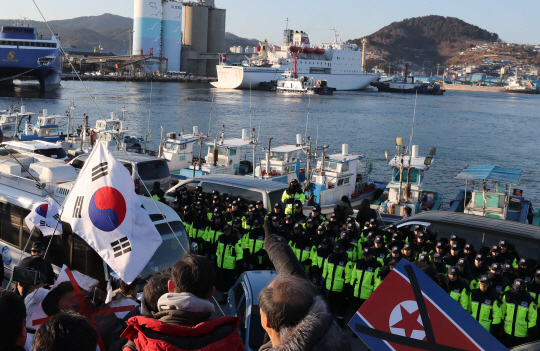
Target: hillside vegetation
[{"x": 428, "y": 38}]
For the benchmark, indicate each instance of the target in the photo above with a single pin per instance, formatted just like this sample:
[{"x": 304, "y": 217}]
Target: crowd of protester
[{"x": 327, "y": 266}]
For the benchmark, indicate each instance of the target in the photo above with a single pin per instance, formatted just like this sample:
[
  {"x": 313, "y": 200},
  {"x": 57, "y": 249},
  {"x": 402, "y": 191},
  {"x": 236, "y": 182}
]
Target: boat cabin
[
  {"x": 406, "y": 188},
  {"x": 491, "y": 193},
  {"x": 46, "y": 128},
  {"x": 11, "y": 120},
  {"x": 283, "y": 163},
  {"x": 177, "y": 149},
  {"x": 337, "y": 176}
]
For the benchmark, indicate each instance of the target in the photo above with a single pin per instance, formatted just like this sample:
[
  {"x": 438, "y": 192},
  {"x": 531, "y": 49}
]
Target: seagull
[
  {"x": 154, "y": 26},
  {"x": 157, "y": 13},
  {"x": 176, "y": 30}
]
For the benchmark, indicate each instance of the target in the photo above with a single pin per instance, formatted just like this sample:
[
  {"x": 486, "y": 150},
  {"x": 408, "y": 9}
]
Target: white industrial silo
[
  {"x": 171, "y": 34},
  {"x": 147, "y": 26}
]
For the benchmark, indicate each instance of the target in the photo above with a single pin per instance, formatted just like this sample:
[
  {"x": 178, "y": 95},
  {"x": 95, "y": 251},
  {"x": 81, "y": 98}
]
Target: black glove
[
  {"x": 307, "y": 262},
  {"x": 261, "y": 252},
  {"x": 289, "y": 201}
]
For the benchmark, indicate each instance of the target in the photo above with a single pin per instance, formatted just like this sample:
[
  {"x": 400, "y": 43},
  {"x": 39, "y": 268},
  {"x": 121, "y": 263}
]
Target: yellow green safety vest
[
  {"x": 487, "y": 313},
  {"x": 337, "y": 274},
  {"x": 518, "y": 319},
  {"x": 364, "y": 281},
  {"x": 228, "y": 254}
]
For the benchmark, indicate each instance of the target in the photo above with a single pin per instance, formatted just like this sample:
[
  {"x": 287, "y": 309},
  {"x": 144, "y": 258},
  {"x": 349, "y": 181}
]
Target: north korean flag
[{"x": 409, "y": 311}]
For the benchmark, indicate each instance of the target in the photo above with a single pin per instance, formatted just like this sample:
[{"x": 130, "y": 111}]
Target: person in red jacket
[{"x": 183, "y": 318}]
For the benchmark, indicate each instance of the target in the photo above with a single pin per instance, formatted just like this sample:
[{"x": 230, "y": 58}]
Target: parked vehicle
[
  {"x": 147, "y": 168},
  {"x": 482, "y": 232},
  {"x": 242, "y": 302}
]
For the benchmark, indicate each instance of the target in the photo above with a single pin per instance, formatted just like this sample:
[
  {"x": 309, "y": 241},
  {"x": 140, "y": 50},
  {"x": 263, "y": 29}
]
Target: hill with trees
[{"x": 423, "y": 39}]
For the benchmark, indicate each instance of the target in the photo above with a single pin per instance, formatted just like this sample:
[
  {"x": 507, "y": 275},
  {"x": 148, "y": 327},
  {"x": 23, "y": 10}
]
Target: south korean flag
[
  {"x": 45, "y": 216},
  {"x": 104, "y": 210}
]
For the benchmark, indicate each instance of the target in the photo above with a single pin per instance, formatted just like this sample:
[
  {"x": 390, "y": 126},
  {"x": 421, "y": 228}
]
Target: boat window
[
  {"x": 170, "y": 146},
  {"x": 10, "y": 223},
  {"x": 279, "y": 156},
  {"x": 247, "y": 195},
  {"x": 345, "y": 167},
  {"x": 222, "y": 151},
  {"x": 170, "y": 249},
  {"x": 413, "y": 179},
  {"x": 153, "y": 170},
  {"x": 233, "y": 152},
  {"x": 53, "y": 152},
  {"x": 330, "y": 166}
]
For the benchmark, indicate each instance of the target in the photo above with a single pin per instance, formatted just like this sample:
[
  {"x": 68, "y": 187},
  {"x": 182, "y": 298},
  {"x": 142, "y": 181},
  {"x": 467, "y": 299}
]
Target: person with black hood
[
  {"x": 350, "y": 249},
  {"x": 253, "y": 215},
  {"x": 298, "y": 215},
  {"x": 506, "y": 255},
  {"x": 408, "y": 253},
  {"x": 508, "y": 272},
  {"x": 187, "y": 216},
  {"x": 365, "y": 213},
  {"x": 486, "y": 306},
  {"x": 229, "y": 255},
  {"x": 495, "y": 256},
  {"x": 275, "y": 222},
  {"x": 311, "y": 226},
  {"x": 212, "y": 233},
  {"x": 39, "y": 249},
  {"x": 478, "y": 269},
  {"x": 234, "y": 213},
  {"x": 520, "y": 314},
  {"x": 385, "y": 270},
  {"x": 534, "y": 287},
  {"x": 395, "y": 254},
  {"x": 183, "y": 320},
  {"x": 253, "y": 245},
  {"x": 289, "y": 222},
  {"x": 469, "y": 253},
  {"x": 500, "y": 283},
  {"x": 343, "y": 209},
  {"x": 421, "y": 244},
  {"x": 183, "y": 198},
  {"x": 395, "y": 240},
  {"x": 459, "y": 289},
  {"x": 259, "y": 205},
  {"x": 215, "y": 207},
  {"x": 441, "y": 248},
  {"x": 292, "y": 193},
  {"x": 333, "y": 227},
  {"x": 157, "y": 194}
]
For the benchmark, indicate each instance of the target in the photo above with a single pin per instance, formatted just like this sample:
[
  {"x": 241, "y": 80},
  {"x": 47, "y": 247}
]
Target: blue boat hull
[{"x": 23, "y": 61}]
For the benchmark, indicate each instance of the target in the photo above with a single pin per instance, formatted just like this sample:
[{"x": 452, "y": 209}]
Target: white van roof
[{"x": 32, "y": 144}]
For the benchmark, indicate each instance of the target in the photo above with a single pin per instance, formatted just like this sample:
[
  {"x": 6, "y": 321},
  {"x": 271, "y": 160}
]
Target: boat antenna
[
  {"x": 149, "y": 114},
  {"x": 412, "y": 132},
  {"x": 307, "y": 121},
  {"x": 210, "y": 121},
  {"x": 317, "y": 140}
]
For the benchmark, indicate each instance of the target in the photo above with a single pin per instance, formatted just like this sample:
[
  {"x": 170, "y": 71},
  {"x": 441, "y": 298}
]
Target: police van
[
  {"x": 249, "y": 189},
  {"x": 482, "y": 232},
  {"x": 20, "y": 195}
]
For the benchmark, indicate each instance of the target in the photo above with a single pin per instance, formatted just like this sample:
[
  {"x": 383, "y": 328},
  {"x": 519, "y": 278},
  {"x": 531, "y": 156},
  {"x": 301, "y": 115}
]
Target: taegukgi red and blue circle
[
  {"x": 107, "y": 209},
  {"x": 42, "y": 210}
]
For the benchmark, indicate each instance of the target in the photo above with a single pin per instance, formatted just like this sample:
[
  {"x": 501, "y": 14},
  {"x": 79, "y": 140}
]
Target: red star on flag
[{"x": 408, "y": 322}]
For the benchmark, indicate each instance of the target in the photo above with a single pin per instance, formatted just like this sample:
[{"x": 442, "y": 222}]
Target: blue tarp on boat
[{"x": 498, "y": 174}]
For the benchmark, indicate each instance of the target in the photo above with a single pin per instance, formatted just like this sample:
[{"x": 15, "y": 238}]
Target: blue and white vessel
[{"x": 25, "y": 53}]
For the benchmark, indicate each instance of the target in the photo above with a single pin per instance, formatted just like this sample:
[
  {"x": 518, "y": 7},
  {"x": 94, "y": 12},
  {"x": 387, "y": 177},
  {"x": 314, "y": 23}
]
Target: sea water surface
[{"x": 465, "y": 127}]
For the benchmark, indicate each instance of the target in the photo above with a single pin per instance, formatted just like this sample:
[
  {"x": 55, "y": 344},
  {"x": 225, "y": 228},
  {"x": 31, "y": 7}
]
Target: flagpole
[
  {"x": 22, "y": 253},
  {"x": 54, "y": 231}
]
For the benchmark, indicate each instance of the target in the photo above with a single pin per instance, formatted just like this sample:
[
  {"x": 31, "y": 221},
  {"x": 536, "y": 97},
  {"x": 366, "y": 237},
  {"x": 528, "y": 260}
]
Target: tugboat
[
  {"x": 290, "y": 83},
  {"x": 406, "y": 189},
  {"x": 518, "y": 84},
  {"x": 491, "y": 194},
  {"x": 398, "y": 86}
]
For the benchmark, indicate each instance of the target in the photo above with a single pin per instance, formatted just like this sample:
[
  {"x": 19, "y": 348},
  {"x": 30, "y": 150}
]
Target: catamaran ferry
[{"x": 340, "y": 64}]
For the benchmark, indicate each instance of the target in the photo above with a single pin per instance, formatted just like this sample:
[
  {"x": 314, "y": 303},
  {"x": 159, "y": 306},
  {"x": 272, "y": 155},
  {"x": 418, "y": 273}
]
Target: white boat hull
[{"x": 240, "y": 77}]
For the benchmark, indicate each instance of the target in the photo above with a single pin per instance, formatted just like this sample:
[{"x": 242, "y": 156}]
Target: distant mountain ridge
[{"x": 435, "y": 38}]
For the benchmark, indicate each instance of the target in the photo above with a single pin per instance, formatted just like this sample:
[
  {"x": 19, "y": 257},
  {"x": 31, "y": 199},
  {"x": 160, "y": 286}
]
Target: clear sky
[{"x": 514, "y": 21}]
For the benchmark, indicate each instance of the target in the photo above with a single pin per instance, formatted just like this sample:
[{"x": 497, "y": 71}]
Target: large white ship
[{"x": 340, "y": 64}]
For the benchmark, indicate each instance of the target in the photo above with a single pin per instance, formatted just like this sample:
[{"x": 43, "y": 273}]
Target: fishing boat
[
  {"x": 224, "y": 156},
  {"x": 521, "y": 85},
  {"x": 283, "y": 163},
  {"x": 338, "y": 175},
  {"x": 406, "y": 187},
  {"x": 11, "y": 120},
  {"x": 491, "y": 194},
  {"x": 177, "y": 149},
  {"x": 46, "y": 128}
]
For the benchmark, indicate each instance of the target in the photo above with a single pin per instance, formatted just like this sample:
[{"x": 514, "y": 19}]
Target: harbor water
[{"x": 465, "y": 127}]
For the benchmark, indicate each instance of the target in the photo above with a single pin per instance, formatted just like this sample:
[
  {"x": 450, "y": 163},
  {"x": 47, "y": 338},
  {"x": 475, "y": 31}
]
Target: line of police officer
[{"x": 348, "y": 263}]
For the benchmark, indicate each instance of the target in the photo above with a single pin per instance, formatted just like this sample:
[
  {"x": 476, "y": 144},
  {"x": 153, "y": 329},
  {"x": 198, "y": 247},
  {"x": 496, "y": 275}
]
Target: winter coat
[
  {"x": 317, "y": 331},
  {"x": 183, "y": 323}
]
